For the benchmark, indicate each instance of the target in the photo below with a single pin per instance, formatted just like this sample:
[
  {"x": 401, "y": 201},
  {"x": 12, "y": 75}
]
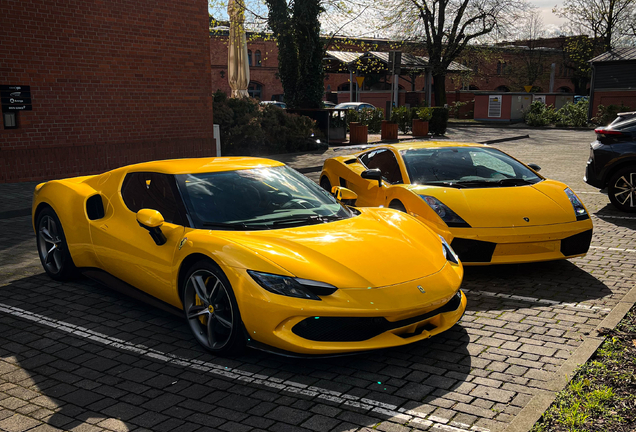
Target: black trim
[
  {"x": 358, "y": 329},
  {"x": 473, "y": 250},
  {"x": 577, "y": 244},
  {"x": 116, "y": 284}
]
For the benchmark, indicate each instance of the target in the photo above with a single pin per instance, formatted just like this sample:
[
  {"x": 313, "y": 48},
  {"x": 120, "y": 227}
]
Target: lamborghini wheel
[
  {"x": 622, "y": 189},
  {"x": 325, "y": 184},
  {"x": 211, "y": 309},
  {"x": 52, "y": 247}
]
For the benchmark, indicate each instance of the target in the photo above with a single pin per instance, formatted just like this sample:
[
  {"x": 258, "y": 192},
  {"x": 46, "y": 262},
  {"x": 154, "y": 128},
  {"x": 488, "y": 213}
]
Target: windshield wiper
[
  {"x": 230, "y": 225},
  {"x": 457, "y": 185},
  {"x": 514, "y": 182},
  {"x": 309, "y": 219}
]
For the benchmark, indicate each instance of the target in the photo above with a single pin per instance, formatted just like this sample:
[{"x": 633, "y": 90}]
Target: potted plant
[{"x": 420, "y": 124}]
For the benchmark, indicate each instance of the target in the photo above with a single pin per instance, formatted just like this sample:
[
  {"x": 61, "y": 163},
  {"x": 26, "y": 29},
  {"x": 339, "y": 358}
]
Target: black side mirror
[
  {"x": 373, "y": 174},
  {"x": 535, "y": 167}
]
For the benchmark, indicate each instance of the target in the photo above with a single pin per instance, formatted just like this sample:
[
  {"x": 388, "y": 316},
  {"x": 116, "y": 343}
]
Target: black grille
[
  {"x": 473, "y": 250},
  {"x": 576, "y": 244},
  {"x": 356, "y": 329}
]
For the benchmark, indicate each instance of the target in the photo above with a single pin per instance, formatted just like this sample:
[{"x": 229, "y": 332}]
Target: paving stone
[{"x": 320, "y": 423}]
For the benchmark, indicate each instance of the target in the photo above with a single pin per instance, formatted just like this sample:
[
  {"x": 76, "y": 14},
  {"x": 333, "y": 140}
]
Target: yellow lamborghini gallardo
[
  {"x": 490, "y": 207},
  {"x": 252, "y": 252}
]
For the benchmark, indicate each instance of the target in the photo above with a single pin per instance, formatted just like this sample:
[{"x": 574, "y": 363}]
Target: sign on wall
[
  {"x": 494, "y": 105},
  {"x": 15, "y": 98}
]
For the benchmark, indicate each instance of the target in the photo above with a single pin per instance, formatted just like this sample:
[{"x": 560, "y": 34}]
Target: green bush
[
  {"x": 424, "y": 113},
  {"x": 248, "y": 128},
  {"x": 402, "y": 116},
  {"x": 372, "y": 117},
  {"x": 573, "y": 114},
  {"x": 540, "y": 114},
  {"x": 439, "y": 121},
  {"x": 606, "y": 114}
]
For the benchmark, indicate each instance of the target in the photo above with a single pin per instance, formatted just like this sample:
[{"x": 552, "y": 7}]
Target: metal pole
[
  {"x": 396, "y": 78},
  {"x": 552, "y": 72},
  {"x": 590, "y": 107},
  {"x": 350, "y": 85}
]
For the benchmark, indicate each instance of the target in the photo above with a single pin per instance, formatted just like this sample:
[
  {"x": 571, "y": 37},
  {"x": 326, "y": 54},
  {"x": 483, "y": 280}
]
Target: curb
[{"x": 540, "y": 402}]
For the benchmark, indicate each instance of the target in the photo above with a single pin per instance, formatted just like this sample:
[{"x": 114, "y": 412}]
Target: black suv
[{"x": 612, "y": 162}]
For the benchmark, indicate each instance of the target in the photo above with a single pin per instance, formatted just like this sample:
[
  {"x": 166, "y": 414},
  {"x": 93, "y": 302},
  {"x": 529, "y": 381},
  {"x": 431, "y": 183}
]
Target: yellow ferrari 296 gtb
[
  {"x": 253, "y": 253},
  {"x": 490, "y": 207}
]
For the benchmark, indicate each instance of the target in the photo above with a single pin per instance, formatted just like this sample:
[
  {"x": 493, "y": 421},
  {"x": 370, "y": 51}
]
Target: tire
[
  {"x": 211, "y": 309},
  {"x": 397, "y": 205},
  {"x": 325, "y": 184},
  {"x": 52, "y": 247},
  {"x": 622, "y": 189}
]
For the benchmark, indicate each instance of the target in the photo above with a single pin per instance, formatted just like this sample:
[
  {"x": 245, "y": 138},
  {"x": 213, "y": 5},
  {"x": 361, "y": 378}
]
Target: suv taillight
[{"x": 601, "y": 131}]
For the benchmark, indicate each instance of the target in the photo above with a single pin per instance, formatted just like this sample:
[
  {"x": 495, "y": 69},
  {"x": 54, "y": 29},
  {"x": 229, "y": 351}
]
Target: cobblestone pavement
[{"x": 77, "y": 356}]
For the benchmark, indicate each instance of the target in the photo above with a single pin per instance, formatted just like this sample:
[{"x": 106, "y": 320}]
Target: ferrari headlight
[
  {"x": 292, "y": 287},
  {"x": 448, "y": 251},
  {"x": 449, "y": 217},
  {"x": 579, "y": 210}
]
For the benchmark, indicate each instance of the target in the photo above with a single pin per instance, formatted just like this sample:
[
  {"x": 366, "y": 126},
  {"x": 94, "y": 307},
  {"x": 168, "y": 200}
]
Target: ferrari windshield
[
  {"x": 465, "y": 167},
  {"x": 258, "y": 198}
]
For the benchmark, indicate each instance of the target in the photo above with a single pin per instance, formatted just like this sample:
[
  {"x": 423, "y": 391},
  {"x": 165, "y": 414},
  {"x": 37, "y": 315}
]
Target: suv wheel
[{"x": 622, "y": 189}]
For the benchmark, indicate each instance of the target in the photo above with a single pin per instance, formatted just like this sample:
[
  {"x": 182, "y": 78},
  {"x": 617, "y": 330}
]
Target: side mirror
[
  {"x": 347, "y": 196},
  {"x": 535, "y": 167},
  {"x": 373, "y": 174},
  {"x": 152, "y": 220}
]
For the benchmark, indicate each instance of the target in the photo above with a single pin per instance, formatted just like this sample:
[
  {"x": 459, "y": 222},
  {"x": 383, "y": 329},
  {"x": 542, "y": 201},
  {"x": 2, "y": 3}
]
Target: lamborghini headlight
[
  {"x": 579, "y": 210},
  {"x": 448, "y": 251},
  {"x": 292, "y": 287},
  {"x": 449, "y": 217}
]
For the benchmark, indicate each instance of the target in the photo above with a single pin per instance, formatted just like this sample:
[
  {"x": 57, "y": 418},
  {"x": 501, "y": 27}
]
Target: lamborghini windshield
[
  {"x": 259, "y": 198},
  {"x": 465, "y": 167}
]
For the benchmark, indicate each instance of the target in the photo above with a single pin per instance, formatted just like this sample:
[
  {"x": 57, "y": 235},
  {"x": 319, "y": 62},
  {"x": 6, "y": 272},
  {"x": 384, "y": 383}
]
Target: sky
[{"x": 551, "y": 21}]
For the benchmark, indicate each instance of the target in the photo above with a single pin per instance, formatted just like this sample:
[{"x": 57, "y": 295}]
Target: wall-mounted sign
[
  {"x": 15, "y": 98},
  {"x": 494, "y": 105}
]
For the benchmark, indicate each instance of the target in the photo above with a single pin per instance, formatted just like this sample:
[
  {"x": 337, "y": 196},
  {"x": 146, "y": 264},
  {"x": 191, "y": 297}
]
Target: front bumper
[
  {"x": 484, "y": 246},
  {"x": 339, "y": 324}
]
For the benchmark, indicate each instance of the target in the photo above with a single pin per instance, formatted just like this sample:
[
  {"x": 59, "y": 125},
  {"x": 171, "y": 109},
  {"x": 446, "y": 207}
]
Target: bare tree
[
  {"x": 446, "y": 27},
  {"x": 607, "y": 20}
]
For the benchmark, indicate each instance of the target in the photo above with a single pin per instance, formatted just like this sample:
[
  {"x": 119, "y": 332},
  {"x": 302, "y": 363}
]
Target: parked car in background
[
  {"x": 279, "y": 104},
  {"x": 490, "y": 207},
  {"x": 612, "y": 162},
  {"x": 354, "y": 105},
  {"x": 579, "y": 98}
]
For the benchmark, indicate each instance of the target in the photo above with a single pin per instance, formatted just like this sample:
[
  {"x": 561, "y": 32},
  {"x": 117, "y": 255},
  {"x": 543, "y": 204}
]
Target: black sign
[{"x": 15, "y": 98}]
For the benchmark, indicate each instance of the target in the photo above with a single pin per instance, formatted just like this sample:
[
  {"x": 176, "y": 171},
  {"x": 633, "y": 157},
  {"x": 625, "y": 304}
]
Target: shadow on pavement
[
  {"x": 611, "y": 215},
  {"x": 117, "y": 385},
  {"x": 560, "y": 281}
]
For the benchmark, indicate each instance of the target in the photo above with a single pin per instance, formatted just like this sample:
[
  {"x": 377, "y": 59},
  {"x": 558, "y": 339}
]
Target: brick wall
[{"x": 112, "y": 83}]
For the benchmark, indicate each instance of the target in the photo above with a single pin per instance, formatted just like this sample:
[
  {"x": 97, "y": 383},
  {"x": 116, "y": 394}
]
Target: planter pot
[
  {"x": 420, "y": 128},
  {"x": 358, "y": 133},
  {"x": 389, "y": 130}
]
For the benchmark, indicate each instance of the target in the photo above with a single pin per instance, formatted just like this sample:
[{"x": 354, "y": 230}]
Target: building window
[
  {"x": 502, "y": 88},
  {"x": 249, "y": 57},
  {"x": 257, "y": 59},
  {"x": 502, "y": 68},
  {"x": 255, "y": 90}
]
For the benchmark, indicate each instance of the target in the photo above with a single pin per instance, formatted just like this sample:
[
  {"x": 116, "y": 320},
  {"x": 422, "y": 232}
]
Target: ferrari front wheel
[
  {"x": 622, "y": 189},
  {"x": 52, "y": 247},
  {"x": 211, "y": 309}
]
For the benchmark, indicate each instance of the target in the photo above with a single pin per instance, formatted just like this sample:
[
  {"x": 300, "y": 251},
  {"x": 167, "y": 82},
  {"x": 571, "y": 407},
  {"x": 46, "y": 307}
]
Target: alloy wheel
[
  {"x": 625, "y": 190},
  {"x": 50, "y": 244},
  {"x": 209, "y": 309}
]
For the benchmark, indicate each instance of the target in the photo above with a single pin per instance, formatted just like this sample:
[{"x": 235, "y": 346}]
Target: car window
[
  {"x": 147, "y": 190},
  {"x": 470, "y": 166},
  {"x": 385, "y": 161},
  {"x": 258, "y": 198}
]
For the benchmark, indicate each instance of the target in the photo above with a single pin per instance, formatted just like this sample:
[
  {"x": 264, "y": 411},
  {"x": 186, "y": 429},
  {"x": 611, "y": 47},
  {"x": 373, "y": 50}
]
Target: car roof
[
  {"x": 202, "y": 165},
  {"x": 427, "y": 144}
]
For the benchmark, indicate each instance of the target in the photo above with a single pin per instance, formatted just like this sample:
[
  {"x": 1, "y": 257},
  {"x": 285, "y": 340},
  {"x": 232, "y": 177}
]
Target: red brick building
[
  {"x": 488, "y": 68},
  {"x": 107, "y": 84}
]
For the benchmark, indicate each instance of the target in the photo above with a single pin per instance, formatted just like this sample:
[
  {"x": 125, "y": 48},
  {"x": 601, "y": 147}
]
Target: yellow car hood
[
  {"x": 378, "y": 248},
  {"x": 544, "y": 203}
]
